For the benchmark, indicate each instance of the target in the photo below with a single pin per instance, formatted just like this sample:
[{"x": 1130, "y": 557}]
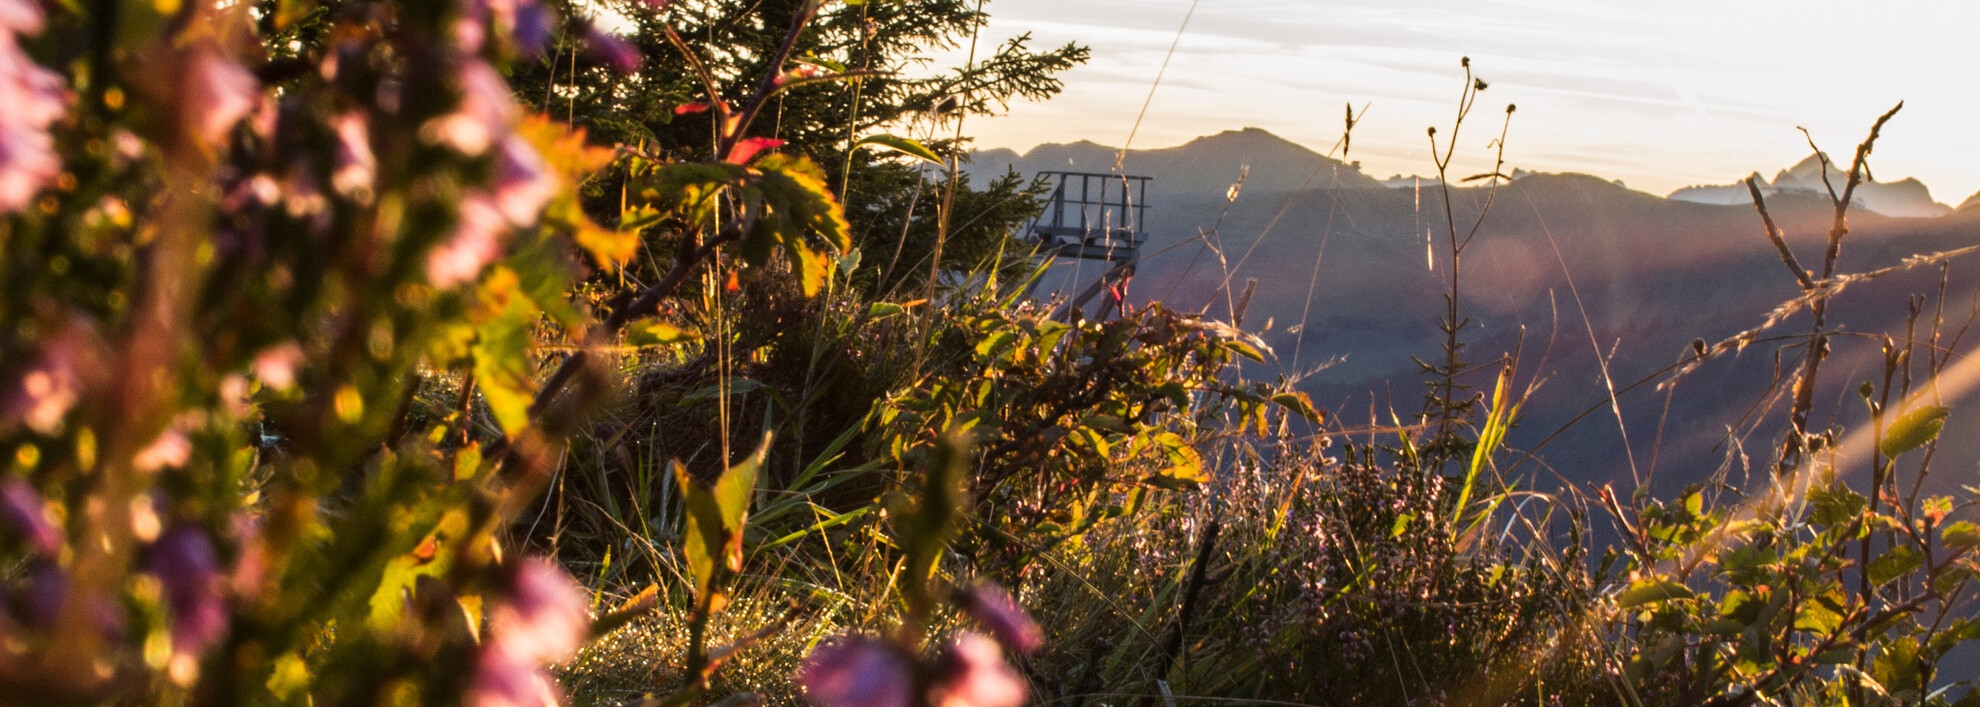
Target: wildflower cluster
[{"x": 229, "y": 276}]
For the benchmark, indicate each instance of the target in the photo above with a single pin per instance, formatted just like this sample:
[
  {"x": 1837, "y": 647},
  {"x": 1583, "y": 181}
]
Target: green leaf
[
  {"x": 795, "y": 203},
  {"x": 738, "y": 385},
  {"x": 503, "y": 320},
  {"x": 716, "y": 513},
  {"x": 1299, "y": 404},
  {"x": 1834, "y": 504},
  {"x": 1821, "y": 615},
  {"x": 1650, "y": 591},
  {"x": 1246, "y": 350},
  {"x": 900, "y": 144},
  {"x": 883, "y": 310},
  {"x": 993, "y": 347},
  {"x": 1185, "y": 466},
  {"x": 929, "y": 521},
  {"x": 1897, "y": 665},
  {"x": 1962, "y": 535},
  {"x": 1913, "y": 429},
  {"x": 1401, "y": 525},
  {"x": 1894, "y": 563}
]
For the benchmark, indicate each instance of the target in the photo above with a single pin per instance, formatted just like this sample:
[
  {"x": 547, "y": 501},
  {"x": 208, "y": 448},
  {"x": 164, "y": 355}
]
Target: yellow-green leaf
[
  {"x": 1652, "y": 591},
  {"x": 716, "y": 513},
  {"x": 900, "y": 144},
  {"x": 1299, "y": 404},
  {"x": 1962, "y": 535},
  {"x": 1894, "y": 563},
  {"x": 653, "y": 332},
  {"x": 1913, "y": 429},
  {"x": 503, "y": 320}
]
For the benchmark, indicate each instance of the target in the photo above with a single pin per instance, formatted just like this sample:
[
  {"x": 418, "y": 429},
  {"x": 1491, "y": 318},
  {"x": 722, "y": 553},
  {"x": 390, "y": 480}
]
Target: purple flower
[
  {"x": 998, "y": 612},
  {"x": 612, "y": 49},
  {"x": 527, "y": 22},
  {"x": 532, "y": 27},
  {"x": 857, "y": 671},
  {"x": 42, "y": 593},
  {"x": 44, "y": 589},
  {"x": 25, "y": 513},
  {"x": 974, "y": 674},
  {"x": 34, "y": 97},
  {"x": 188, "y": 570},
  {"x": 523, "y": 183}
]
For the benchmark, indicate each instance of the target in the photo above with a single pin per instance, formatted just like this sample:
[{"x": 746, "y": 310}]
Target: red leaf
[{"x": 747, "y": 148}]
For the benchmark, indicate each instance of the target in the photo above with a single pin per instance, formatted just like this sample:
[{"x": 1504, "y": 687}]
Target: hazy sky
[{"x": 1660, "y": 94}]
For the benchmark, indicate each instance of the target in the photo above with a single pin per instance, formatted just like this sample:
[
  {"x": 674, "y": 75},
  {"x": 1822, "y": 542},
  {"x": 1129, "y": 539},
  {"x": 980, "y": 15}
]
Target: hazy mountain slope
[
  {"x": 1651, "y": 274},
  {"x": 1206, "y": 165}
]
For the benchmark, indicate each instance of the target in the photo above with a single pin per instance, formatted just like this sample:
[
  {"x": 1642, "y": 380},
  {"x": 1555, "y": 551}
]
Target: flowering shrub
[{"x": 244, "y": 245}]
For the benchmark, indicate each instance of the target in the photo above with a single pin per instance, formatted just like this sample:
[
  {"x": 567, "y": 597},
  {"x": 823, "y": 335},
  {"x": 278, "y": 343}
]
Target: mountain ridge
[{"x": 1204, "y": 168}]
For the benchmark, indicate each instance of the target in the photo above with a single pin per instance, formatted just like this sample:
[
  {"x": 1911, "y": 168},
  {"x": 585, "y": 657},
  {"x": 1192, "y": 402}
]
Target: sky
[{"x": 1659, "y": 94}]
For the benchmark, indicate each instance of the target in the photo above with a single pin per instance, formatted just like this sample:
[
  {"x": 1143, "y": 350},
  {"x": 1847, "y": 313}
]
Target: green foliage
[{"x": 1078, "y": 420}]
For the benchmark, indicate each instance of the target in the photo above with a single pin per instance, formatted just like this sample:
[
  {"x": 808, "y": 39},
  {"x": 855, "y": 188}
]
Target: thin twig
[{"x": 1780, "y": 243}]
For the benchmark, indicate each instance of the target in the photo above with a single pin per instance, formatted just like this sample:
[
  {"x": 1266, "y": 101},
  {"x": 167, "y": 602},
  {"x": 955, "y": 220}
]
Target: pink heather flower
[
  {"x": 998, "y": 612},
  {"x": 25, "y": 514},
  {"x": 523, "y": 183},
  {"x": 470, "y": 33},
  {"x": 483, "y": 116},
  {"x": 188, "y": 570},
  {"x": 34, "y": 97},
  {"x": 974, "y": 674},
  {"x": 857, "y": 671},
  {"x": 44, "y": 397},
  {"x": 541, "y": 619},
  {"x": 43, "y": 394},
  {"x": 475, "y": 242},
  {"x": 612, "y": 50},
  {"x": 356, "y": 168},
  {"x": 502, "y": 681},
  {"x": 20, "y": 16},
  {"x": 256, "y": 192},
  {"x": 252, "y": 564},
  {"x": 215, "y": 93},
  {"x": 172, "y": 449},
  {"x": 544, "y": 616},
  {"x": 276, "y": 365},
  {"x": 302, "y": 193}
]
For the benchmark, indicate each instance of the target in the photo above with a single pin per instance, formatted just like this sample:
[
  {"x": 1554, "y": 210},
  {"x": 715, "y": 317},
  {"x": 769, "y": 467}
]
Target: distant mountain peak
[{"x": 1904, "y": 198}]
